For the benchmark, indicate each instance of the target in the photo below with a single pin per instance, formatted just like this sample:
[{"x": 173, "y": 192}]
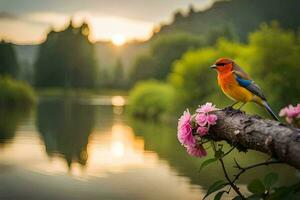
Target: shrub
[
  {"x": 150, "y": 100},
  {"x": 15, "y": 94}
]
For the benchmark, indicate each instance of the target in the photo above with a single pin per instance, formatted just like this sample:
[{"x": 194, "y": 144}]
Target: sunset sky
[{"x": 28, "y": 21}]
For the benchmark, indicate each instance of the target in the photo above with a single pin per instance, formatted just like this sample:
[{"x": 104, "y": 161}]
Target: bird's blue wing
[{"x": 251, "y": 86}]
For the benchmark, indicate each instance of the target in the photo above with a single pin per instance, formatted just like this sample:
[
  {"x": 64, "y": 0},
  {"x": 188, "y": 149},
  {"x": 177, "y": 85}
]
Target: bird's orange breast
[{"x": 232, "y": 89}]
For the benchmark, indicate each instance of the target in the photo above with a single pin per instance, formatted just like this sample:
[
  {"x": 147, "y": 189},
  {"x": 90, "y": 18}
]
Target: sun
[{"x": 118, "y": 40}]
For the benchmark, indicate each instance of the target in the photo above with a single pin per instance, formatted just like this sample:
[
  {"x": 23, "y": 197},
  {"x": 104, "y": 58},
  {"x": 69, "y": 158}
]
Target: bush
[
  {"x": 15, "y": 94},
  {"x": 150, "y": 100}
]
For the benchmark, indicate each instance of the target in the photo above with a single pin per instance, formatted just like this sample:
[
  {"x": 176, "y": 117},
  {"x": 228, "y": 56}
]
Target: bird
[{"x": 239, "y": 86}]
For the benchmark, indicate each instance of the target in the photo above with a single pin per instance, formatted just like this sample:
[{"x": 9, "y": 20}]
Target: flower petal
[
  {"x": 197, "y": 151},
  {"x": 212, "y": 119},
  {"x": 202, "y": 131},
  {"x": 201, "y": 119}
]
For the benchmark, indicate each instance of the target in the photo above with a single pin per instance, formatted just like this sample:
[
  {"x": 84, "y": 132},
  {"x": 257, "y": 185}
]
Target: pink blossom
[
  {"x": 297, "y": 110},
  {"x": 184, "y": 132},
  {"x": 290, "y": 113},
  {"x": 197, "y": 151},
  {"x": 185, "y": 118},
  {"x": 283, "y": 112},
  {"x": 201, "y": 119},
  {"x": 202, "y": 131},
  {"x": 212, "y": 119},
  {"x": 206, "y": 108}
]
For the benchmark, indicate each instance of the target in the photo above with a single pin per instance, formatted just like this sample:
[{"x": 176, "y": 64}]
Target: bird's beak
[{"x": 213, "y": 66}]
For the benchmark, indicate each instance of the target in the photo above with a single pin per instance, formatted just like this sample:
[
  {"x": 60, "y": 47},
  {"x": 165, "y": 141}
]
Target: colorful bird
[{"x": 238, "y": 85}]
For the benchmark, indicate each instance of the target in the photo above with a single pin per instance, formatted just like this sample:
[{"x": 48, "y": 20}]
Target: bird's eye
[{"x": 220, "y": 64}]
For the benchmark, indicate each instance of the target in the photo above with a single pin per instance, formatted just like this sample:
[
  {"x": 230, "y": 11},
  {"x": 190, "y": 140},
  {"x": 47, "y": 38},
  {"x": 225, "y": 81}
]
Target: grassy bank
[{"x": 15, "y": 94}]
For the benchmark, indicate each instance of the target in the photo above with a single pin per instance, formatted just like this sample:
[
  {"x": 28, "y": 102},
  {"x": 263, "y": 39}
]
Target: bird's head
[{"x": 223, "y": 65}]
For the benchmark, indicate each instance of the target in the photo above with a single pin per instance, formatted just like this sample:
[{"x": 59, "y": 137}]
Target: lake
[{"x": 88, "y": 148}]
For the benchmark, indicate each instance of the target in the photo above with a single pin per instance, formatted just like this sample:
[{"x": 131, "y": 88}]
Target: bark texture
[{"x": 251, "y": 132}]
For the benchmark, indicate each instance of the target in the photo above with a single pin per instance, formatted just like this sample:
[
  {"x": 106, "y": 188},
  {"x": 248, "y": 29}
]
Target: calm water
[{"x": 89, "y": 149}]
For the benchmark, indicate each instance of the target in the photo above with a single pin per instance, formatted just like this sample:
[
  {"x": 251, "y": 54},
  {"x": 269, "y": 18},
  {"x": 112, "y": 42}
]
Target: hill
[{"x": 240, "y": 16}]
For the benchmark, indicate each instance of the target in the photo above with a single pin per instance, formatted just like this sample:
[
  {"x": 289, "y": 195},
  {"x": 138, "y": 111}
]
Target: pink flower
[
  {"x": 197, "y": 151},
  {"x": 212, "y": 119},
  {"x": 184, "y": 132},
  {"x": 201, "y": 119},
  {"x": 290, "y": 113},
  {"x": 283, "y": 112},
  {"x": 185, "y": 118},
  {"x": 202, "y": 131},
  {"x": 297, "y": 110},
  {"x": 206, "y": 108}
]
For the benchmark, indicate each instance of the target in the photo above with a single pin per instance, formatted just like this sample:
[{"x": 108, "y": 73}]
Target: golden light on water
[
  {"x": 117, "y": 149},
  {"x": 116, "y": 158},
  {"x": 118, "y": 101},
  {"x": 118, "y": 39}
]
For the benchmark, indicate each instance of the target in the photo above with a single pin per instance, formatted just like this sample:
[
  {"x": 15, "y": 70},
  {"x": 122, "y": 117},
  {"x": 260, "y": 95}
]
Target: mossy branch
[{"x": 279, "y": 140}]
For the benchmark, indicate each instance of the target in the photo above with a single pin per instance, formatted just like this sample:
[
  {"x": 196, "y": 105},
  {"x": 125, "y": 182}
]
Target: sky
[{"x": 28, "y": 21}]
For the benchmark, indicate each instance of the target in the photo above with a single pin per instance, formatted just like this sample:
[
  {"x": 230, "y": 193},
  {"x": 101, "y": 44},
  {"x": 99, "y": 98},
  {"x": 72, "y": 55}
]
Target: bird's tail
[{"x": 268, "y": 108}]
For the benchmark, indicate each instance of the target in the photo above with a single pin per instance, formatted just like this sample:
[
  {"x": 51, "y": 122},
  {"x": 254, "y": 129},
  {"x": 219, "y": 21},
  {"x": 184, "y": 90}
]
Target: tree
[
  {"x": 66, "y": 59},
  {"x": 8, "y": 60},
  {"x": 118, "y": 75},
  {"x": 274, "y": 60},
  {"x": 142, "y": 69},
  {"x": 166, "y": 50},
  {"x": 163, "y": 52}
]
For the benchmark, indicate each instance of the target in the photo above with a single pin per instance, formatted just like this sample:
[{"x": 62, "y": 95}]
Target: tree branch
[
  {"x": 279, "y": 140},
  {"x": 244, "y": 169},
  {"x": 231, "y": 183}
]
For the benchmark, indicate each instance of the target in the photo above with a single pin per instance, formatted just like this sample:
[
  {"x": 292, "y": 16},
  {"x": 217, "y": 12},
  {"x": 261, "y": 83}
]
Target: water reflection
[
  {"x": 93, "y": 136},
  {"x": 84, "y": 150},
  {"x": 65, "y": 126},
  {"x": 9, "y": 121}
]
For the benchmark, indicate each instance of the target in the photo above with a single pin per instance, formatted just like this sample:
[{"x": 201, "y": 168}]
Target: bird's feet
[
  {"x": 228, "y": 109},
  {"x": 231, "y": 111}
]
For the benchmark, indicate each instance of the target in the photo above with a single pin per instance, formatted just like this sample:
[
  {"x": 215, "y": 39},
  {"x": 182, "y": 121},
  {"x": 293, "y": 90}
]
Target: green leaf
[
  {"x": 270, "y": 180},
  {"x": 281, "y": 193},
  {"x": 256, "y": 187},
  {"x": 277, "y": 195},
  {"x": 219, "y": 195},
  {"x": 207, "y": 162},
  {"x": 215, "y": 187}
]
